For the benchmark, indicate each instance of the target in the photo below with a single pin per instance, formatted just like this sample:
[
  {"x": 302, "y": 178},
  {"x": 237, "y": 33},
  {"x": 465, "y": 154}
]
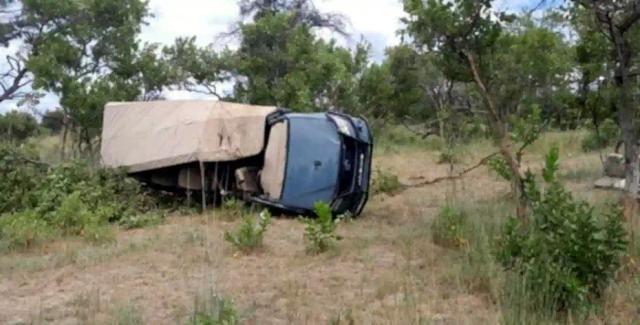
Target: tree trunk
[
  {"x": 632, "y": 163},
  {"x": 627, "y": 117},
  {"x": 63, "y": 147},
  {"x": 506, "y": 145}
]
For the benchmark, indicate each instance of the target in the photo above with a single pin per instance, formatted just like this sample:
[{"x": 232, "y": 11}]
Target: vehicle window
[{"x": 348, "y": 165}]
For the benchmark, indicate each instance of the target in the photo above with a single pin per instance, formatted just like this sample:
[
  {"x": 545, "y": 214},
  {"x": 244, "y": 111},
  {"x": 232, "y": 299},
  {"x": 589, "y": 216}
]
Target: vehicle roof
[{"x": 150, "y": 135}]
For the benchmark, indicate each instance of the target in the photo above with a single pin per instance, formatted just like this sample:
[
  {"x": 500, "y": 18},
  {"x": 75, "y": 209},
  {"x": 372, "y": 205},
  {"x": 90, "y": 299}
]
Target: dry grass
[{"x": 385, "y": 271}]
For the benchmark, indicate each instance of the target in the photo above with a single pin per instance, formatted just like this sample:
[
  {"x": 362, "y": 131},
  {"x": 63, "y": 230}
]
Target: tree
[
  {"x": 592, "y": 59},
  {"x": 92, "y": 58},
  {"x": 619, "y": 22},
  {"x": 407, "y": 86},
  {"x": 17, "y": 126},
  {"x": 284, "y": 64},
  {"x": 53, "y": 120},
  {"x": 303, "y": 12},
  {"x": 197, "y": 69},
  {"x": 14, "y": 77},
  {"x": 374, "y": 90},
  {"x": 471, "y": 44}
]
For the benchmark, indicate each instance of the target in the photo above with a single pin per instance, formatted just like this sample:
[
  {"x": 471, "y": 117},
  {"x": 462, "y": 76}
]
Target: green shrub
[
  {"x": 111, "y": 192},
  {"x": 385, "y": 182},
  {"x": 450, "y": 227},
  {"x": 566, "y": 252},
  {"x": 608, "y": 134},
  {"x": 249, "y": 235},
  {"x": 214, "y": 310},
  {"x": 72, "y": 198},
  {"x": 21, "y": 174},
  {"x": 73, "y": 217},
  {"x": 23, "y": 230},
  {"x": 320, "y": 232}
]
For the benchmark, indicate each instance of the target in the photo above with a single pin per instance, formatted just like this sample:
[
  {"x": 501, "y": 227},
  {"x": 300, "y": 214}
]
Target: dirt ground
[{"x": 386, "y": 270}]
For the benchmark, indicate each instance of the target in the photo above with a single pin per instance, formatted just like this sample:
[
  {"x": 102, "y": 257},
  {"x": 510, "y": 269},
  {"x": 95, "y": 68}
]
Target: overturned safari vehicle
[{"x": 260, "y": 154}]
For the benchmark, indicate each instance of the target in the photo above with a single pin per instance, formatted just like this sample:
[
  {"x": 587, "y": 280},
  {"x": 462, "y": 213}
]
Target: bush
[
  {"x": 249, "y": 235},
  {"x": 320, "y": 233},
  {"x": 449, "y": 228},
  {"x": 21, "y": 175},
  {"x": 74, "y": 218},
  {"x": 385, "y": 182},
  {"x": 71, "y": 199},
  {"x": 608, "y": 134},
  {"x": 110, "y": 192},
  {"x": 566, "y": 252},
  {"x": 23, "y": 230}
]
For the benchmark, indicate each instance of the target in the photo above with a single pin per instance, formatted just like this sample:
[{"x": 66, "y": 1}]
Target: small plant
[
  {"x": 566, "y": 252},
  {"x": 448, "y": 157},
  {"x": 214, "y": 310},
  {"x": 385, "y": 182},
  {"x": 233, "y": 209},
  {"x": 321, "y": 231},
  {"x": 449, "y": 228},
  {"x": 249, "y": 236}
]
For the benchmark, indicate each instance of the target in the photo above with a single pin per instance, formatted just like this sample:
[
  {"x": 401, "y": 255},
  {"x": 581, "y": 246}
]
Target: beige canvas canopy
[{"x": 150, "y": 135}]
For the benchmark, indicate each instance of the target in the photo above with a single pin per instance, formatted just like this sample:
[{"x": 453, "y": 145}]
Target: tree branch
[
  {"x": 9, "y": 92},
  {"x": 482, "y": 162}
]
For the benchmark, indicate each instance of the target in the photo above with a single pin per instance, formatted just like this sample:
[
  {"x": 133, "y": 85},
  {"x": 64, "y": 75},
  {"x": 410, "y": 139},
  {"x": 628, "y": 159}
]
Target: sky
[{"x": 375, "y": 20}]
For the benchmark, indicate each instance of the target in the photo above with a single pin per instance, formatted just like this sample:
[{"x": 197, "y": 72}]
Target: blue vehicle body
[{"x": 328, "y": 160}]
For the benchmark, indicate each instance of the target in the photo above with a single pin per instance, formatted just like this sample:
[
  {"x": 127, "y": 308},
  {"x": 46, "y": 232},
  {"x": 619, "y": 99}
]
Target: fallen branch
[
  {"x": 34, "y": 162},
  {"x": 453, "y": 177}
]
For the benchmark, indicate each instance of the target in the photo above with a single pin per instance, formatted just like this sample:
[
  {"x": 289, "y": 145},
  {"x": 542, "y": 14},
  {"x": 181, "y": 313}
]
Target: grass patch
[
  {"x": 214, "y": 309},
  {"x": 127, "y": 314},
  {"x": 568, "y": 142}
]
